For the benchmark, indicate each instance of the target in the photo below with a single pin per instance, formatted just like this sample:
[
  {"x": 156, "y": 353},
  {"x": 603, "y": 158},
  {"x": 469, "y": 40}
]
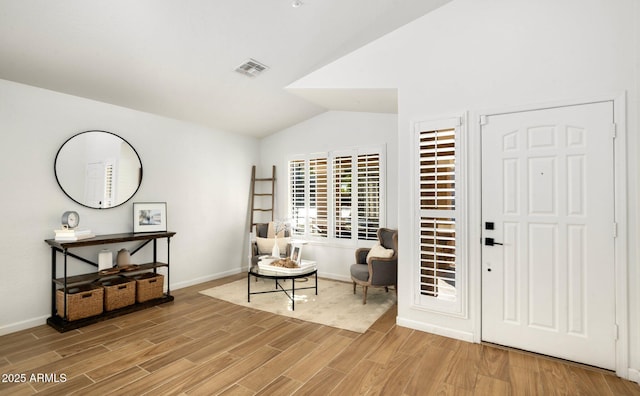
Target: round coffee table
[{"x": 258, "y": 272}]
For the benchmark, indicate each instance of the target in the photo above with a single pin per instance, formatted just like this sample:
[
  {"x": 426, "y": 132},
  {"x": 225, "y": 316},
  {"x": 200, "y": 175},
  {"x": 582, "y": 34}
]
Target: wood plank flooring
[{"x": 202, "y": 346}]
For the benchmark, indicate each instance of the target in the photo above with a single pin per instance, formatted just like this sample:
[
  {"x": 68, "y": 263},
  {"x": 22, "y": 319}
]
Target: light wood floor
[{"x": 202, "y": 346}]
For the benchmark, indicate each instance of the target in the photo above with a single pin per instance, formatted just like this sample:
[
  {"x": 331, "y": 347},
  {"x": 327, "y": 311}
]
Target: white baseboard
[
  {"x": 25, "y": 324},
  {"x": 328, "y": 275},
  {"x": 191, "y": 282},
  {"x": 434, "y": 329},
  {"x": 634, "y": 375}
]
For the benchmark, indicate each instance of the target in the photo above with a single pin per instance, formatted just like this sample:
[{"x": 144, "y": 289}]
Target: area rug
[{"x": 335, "y": 305}]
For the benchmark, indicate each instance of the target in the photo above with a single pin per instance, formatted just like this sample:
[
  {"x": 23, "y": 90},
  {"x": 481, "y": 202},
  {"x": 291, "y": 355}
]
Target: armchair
[
  {"x": 377, "y": 271},
  {"x": 262, "y": 231}
]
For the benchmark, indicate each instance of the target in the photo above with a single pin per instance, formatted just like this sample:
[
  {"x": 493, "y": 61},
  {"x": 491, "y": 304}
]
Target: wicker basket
[
  {"x": 118, "y": 293},
  {"x": 82, "y": 302},
  {"x": 149, "y": 286}
]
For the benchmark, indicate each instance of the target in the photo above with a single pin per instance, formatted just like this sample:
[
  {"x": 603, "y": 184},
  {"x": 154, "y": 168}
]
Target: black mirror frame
[{"x": 55, "y": 161}]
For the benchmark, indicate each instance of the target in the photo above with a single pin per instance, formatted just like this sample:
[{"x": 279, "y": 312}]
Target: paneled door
[{"x": 548, "y": 281}]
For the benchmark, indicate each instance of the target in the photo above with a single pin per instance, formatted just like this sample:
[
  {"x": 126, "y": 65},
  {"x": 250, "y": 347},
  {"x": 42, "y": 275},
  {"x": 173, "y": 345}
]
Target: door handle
[{"x": 491, "y": 242}]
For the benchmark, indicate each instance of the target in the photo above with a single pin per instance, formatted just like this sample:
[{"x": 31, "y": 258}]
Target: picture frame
[
  {"x": 296, "y": 254},
  {"x": 149, "y": 217}
]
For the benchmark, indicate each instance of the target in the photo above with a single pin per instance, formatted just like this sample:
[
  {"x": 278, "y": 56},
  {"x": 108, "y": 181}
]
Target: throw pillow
[
  {"x": 271, "y": 231},
  {"x": 265, "y": 245},
  {"x": 379, "y": 251}
]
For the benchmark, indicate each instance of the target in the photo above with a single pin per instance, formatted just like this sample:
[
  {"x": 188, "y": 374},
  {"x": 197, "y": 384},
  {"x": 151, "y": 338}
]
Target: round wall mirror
[{"x": 98, "y": 169}]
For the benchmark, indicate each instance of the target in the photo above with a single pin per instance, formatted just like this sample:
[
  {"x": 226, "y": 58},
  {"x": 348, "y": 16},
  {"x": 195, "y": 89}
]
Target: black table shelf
[
  {"x": 76, "y": 280},
  {"x": 110, "y": 238},
  {"x": 60, "y": 322}
]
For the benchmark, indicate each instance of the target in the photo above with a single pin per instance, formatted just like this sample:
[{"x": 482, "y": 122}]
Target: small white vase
[
  {"x": 105, "y": 259},
  {"x": 275, "y": 252}
]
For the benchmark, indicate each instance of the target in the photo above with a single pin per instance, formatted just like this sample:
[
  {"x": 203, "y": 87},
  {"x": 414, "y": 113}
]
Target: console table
[{"x": 67, "y": 281}]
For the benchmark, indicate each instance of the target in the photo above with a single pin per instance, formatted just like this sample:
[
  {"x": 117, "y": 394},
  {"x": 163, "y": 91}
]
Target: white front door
[{"x": 548, "y": 232}]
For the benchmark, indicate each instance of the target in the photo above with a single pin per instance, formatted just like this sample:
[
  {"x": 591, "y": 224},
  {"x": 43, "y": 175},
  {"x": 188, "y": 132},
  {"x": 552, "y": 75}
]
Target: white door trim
[{"x": 620, "y": 199}]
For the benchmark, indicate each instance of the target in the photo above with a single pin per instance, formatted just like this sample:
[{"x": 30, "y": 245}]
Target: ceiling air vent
[{"x": 251, "y": 68}]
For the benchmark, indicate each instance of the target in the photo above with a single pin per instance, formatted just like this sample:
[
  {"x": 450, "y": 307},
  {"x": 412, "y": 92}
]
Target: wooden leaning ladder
[{"x": 254, "y": 194}]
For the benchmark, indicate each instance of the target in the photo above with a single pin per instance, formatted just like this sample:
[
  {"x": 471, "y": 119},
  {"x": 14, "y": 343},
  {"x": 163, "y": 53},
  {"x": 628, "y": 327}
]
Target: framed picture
[
  {"x": 296, "y": 253},
  {"x": 149, "y": 216}
]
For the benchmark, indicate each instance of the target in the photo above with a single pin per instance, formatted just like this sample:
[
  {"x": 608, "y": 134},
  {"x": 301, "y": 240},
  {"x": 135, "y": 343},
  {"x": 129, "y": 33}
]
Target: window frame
[
  {"x": 299, "y": 189},
  {"x": 353, "y": 153},
  {"x": 458, "y": 307}
]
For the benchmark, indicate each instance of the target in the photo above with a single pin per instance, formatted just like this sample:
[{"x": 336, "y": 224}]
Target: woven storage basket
[
  {"x": 118, "y": 293},
  {"x": 149, "y": 286},
  {"x": 82, "y": 302}
]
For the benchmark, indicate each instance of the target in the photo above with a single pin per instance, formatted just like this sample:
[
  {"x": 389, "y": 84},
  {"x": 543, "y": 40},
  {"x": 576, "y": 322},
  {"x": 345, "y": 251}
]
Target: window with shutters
[
  {"x": 438, "y": 226},
  {"x": 338, "y": 195},
  {"x": 297, "y": 196},
  {"x": 342, "y": 193},
  {"x": 108, "y": 186},
  {"x": 368, "y": 195},
  {"x": 318, "y": 197}
]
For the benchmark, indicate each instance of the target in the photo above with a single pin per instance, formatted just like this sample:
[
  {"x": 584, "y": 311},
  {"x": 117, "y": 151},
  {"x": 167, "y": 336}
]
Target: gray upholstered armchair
[
  {"x": 377, "y": 271},
  {"x": 262, "y": 231}
]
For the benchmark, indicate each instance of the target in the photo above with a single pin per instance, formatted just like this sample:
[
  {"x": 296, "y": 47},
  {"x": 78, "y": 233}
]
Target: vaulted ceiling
[{"x": 176, "y": 58}]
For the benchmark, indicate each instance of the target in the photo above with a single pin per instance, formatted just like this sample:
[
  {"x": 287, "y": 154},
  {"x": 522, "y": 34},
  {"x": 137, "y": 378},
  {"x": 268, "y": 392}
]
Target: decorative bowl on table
[{"x": 285, "y": 265}]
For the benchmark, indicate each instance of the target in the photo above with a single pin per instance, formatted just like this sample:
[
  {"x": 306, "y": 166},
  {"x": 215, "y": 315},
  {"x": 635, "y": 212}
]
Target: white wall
[
  {"x": 472, "y": 55},
  {"x": 332, "y": 130},
  {"x": 202, "y": 174}
]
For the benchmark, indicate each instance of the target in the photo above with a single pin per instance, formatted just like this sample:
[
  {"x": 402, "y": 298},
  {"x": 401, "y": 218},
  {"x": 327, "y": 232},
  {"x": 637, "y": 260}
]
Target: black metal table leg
[
  {"x": 53, "y": 284},
  {"x": 168, "y": 263},
  {"x": 279, "y": 287},
  {"x": 65, "y": 290}
]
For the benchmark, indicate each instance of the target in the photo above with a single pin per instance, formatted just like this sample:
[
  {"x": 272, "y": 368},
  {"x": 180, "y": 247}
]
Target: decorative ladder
[{"x": 254, "y": 194}]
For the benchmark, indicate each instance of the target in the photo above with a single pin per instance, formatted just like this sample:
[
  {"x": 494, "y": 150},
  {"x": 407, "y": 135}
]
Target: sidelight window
[{"x": 438, "y": 226}]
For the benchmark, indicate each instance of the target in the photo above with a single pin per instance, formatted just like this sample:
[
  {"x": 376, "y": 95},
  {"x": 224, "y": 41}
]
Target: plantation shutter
[
  {"x": 337, "y": 194},
  {"x": 318, "y": 197},
  {"x": 342, "y": 187},
  {"x": 108, "y": 186},
  {"x": 437, "y": 257},
  {"x": 437, "y": 204},
  {"x": 297, "y": 196},
  {"x": 368, "y": 194}
]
